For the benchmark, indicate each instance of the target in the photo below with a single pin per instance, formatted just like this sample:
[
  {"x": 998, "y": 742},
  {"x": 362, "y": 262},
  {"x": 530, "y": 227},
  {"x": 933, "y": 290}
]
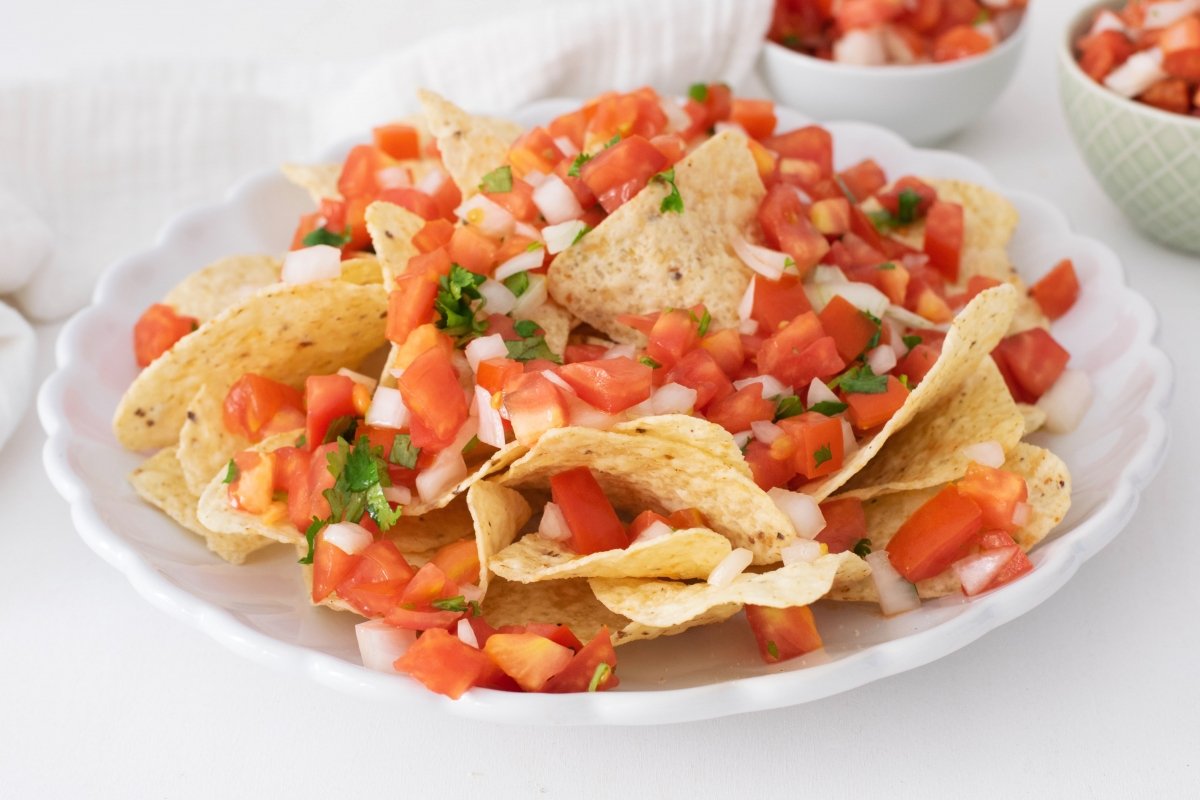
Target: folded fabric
[{"x": 17, "y": 351}]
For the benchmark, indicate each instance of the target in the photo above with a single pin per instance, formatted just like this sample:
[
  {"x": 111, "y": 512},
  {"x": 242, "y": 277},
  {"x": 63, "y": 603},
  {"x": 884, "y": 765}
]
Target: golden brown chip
[
  {"x": 319, "y": 180},
  {"x": 1034, "y": 417},
  {"x": 498, "y": 513},
  {"x": 556, "y": 323},
  {"x": 160, "y": 482},
  {"x": 205, "y": 446},
  {"x": 286, "y": 332},
  {"x": 929, "y": 450},
  {"x": 363, "y": 269},
  {"x": 641, "y": 259},
  {"x": 693, "y": 431},
  {"x": 471, "y": 146},
  {"x": 392, "y": 229},
  {"x": 207, "y": 292}
]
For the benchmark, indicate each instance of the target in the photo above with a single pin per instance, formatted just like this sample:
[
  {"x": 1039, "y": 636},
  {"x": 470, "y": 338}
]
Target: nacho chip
[
  {"x": 556, "y": 323},
  {"x": 471, "y": 146},
  {"x": 498, "y": 513},
  {"x": 216, "y": 514},
  {"x": 641, "y": 260},
  {"x": 160, "y": 482},
  {"x": 929, "y": 450},
  {"x": 207, "y": 292},
  {"x": 693, "y": 431},
  {"x": 286, "y": 332},
  {"x": 1034, "y": 417},
  {"x": 364, "y": 269},
  {"x": 1049, "y": 484},
  {"x": 974, "y": 333},
  {"x": 662, "y": 604},
  {"x": 640, "y": 470},
  {"x": 392, "y": 229},
  {"x": 682, "y": 554},
  {"x": 319, "y": 180},
  {"x": 205, "y": 445}
]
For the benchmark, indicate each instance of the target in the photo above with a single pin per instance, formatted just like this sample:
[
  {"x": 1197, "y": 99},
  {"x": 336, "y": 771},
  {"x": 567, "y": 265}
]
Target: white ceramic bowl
[
  {"x": 924, "y": 103},
  {"x": 261, "y": 609}
]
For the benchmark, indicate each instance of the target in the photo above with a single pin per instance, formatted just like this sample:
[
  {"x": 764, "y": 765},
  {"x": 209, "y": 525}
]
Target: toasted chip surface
[
  {"x": 207, "y": 292},
  {"x": 682, "y": 554},
  {"x": 319, "y": 180},
  {"x": 471, "y": 146},
  {"x": 392, "y": 229},
  {"x": 498, "y": 513},
  {"x": 205, "y": 446},
  {"x": 641, "y": 259}
]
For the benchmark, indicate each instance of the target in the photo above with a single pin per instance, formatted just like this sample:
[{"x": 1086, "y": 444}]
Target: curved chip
[
  {"x": 471, "y": 146},
  {"x": 319, "y": 180},
  {"x": 205, "y": 445},
  {"x": 498, "y": 513},
  {"x": 207, "y": 292}
]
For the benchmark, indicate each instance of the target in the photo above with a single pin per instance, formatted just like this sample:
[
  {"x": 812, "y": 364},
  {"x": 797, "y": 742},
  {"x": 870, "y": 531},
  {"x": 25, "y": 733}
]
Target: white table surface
[{"x": 1093, "y": 694}]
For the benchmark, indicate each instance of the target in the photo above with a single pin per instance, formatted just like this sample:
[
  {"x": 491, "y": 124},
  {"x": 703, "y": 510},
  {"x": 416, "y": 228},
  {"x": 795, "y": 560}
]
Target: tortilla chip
[
  {"x": 682, "y": 554},
  {"x": 556, "y": 323},
  {"x": 639, "y": 470},
  {"x": 498, "y": 513},
  {"x": 207, "y": 292},
  {"x": 471, "y": 146},
  {"x": 286, "y": 332},
  {"x": 363, "y": 269},
  {"x": 692, "y": 431},
  {"x": 319, "y": 180},
  {"x": 215, "y": 512},
  {"x": 641, "y": 259},
  {"x": 392, "y": 229},
  {"x": 1049, "y": 484},
  {"x": 205, "y": 446},
  {"x": 159, "y": 481},
  {"x": 662, "y": 604},
  {"x": 974, "y": 333},
  {"x": 929, "y": 450},
  {"x": 1034, "y": 417}
]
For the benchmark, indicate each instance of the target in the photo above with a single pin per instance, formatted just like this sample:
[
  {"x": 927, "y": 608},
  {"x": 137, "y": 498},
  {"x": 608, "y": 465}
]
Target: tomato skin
[
  {"x": 997, "y": 493},
  {"x": 673, "y": 335},
  {"x": 459, "y": 561},
  {"x": 616, "y": 174},
  {"x": 645, "y": 520},
  {"x": 326, "y": 397},
  {"x": 430, "y": 389},
  {"x": 571, "y": 126},
  {"x": 308, "y": 223},
  {"x": 1033, "y": 360},
  {"x": 850, "y": 328},
  {"x": 410, "y": 304},
  {"x": 768, "y": 471},
  {"x": 1103, "y": 52},
  {"x": 434, "y": 263},
  {"x": 412, "y": 199},
  {"x": 253, "y": 402},
  {"x": 306, "y": 493},
  {"x": 1017, "y": 566},
  {"x": 936, "y": 535},
  {"x": 534, "y": 406},
  {"x": 868, "y": 411},
  {"x": 590, "y": 516},
  {"x": 157, "y": 331},
  {"x": 800, "y": 352},
  {"x": 577, "y": 675},
  {"x": 518, "y": 201},
  {"x": 927, "y": 195},
  {"x": 253, "y": 488},
  {"x": 443, "y": 663},
  {"x": 783, "y": 633},
  {"x": 357, "y": 178},
  {"x": 377, "y": 580},
  {"x": 1057, "y": 290},
  {"x": 612, "y": 384},
  {"x": 700, "y": 371},
  {"x": 785, "y": 221},
  {"x": 917, "y": 363},
  {"x": 757, "y": 117},
  {"x": 331, "y": 566},
  {"x": 473, "y": 250},
  {"x": 495, "y": 373},
  {"x": 398, "y": 141},
  {"x": 421, "y": 339},
  {"x": 864, "y": 180},
  {"x": 725, "y": 346},
  {"x": 944, "y": 238},
  {"x": 735, "y": 412},
  {"x": 962, "y": 41},
  {"x": 778, "y": 302},
  {"x": 534, "y": 151},
  {"x": 435, "y": 234},
  {"x": 529, "y": 659},
  {"x": 845, "y": 524},
  {"x": 686, "y": 518},
  {"x": 811, "y": 143},
  {"x": 815, "y": 434}
]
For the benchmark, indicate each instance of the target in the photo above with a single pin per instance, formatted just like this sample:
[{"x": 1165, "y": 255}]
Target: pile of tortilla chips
[{"x": 636, "y": 261}]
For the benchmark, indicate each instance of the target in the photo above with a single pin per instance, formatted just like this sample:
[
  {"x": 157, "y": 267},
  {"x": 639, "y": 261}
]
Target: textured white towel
[{"x": 105, "y": 160}]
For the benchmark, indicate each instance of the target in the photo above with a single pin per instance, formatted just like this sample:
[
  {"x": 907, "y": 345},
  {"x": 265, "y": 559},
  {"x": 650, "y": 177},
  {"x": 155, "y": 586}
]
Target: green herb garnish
[
  {"x": 649, "y": 362},
  {"x": 403, "y": 453},
  {"x": 326, "y": 236},
  {"x": 341, "y": 428},
  {"x": 532, "y": 344},
  {"x": 498, "y": 180},
  {"x": 311, "y": 535},
  {"x": 822, "y": 454},
  {"x": 360, "y": 475},
  {"x": 457, "y": 604},
  {"x": 673, "y": 202},
  {"x": 517, "y": 283},
  {"x": 860, "y": 379},
  {"x": 862, "y": 548},
  {"x": 577, "y": 164},
  {"x": 698, "y": 92},
  {"x": 584, "y": 231},
  {"x": 231, "y": 472},
  {"x": 788, "y": 406},
  {"x": 602, "y": 670},
  {"x": 456, "y": 314},
  {"x": 828, "y": 407},
  {"x": 705, "y": 321},
  {"x": 907, "y": 203},
  {"x": 773, "y": 650},
  {"x": 302, "y": 440},
  {"x": 911, "y": 341}
]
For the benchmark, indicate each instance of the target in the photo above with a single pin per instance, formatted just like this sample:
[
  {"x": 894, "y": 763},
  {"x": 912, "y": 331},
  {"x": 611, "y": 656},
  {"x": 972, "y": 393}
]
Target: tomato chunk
[
  {"x": 590, "y": 516},
  {"x": 783, "y": 633},
  {"x": 430, "y": 389},
  {"x": 331, "y": 565},
  {"x": 410, "y": 305},
  {"x": 673, "y": 335},
  {"x": 534, "y": 406},
  {"x": 820, "y": 447},
  {"x": 398, "y": 141},
  {"x": 459, "y": 561},
  {"x": 944, "y": 238},
  {"x": 611, "y": 385},
  {"x": 327, "y": 398},
  {"x": 936, "y": 535},
  {"x": 578, "y": 675},
  {"x": 700, "y": 371},
  {"x": 157, "y": 331},
  {"x": 527, "y": 658},
  {"x": 845, "y": 524},
  {"x": 1057, "y": 290},
  {"x": 443, "y": 663},
  {"x": 997, "y": 493},
  {"x": 735, "y": 412},
  {"x": 253, "y": 402},
  {"x": 777, "y": 302},
  {"x": 377, "y": 580},
  {"x": 757, "y": 117},
  {"x": 1034, "y": 360},
  {"x": 617, "y": 173},
  {"x": 850, "y": 328}
]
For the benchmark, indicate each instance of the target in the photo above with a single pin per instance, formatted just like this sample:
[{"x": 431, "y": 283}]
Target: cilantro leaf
[
  {"x": 341, "y": 427},
  {"x": 860, "y": 379},
  {"x": 456, "y": 314},
  {"x": 911, "y": 341},
  {"x": 403, "y": 453},
  {"x": 862, "y": 548},
  {"x": 673, "y": 202},
  {"x": 326, "y": 236},
  {"x": 360, "y": 475},
  {"x": 612, "y": 141},
  {"x": 883, "y": 221},
  {"x": 457, "y": 603},
  {"x": 887, "y": 265},
  {"x": 498, "y": 180},
  {"x": 602, "y": 670},
  {"x": 705, "y": 321},
  {"x": 476, "y": 611},
  {"x": 903, "y": 381},
  {"x": 311, "y": 535},
  {"x": 577, "y": 164},
  {"x": 878, "y": 323},
  {"x": 907, "y": 203},
  {"x": 231, "y": 472},
  {"x": 828, "y": 407},
  {"x": 698, "y": 92},
  {"x": 788, "y": 406},
  {"x": 302, "y": 440},
  {"x": 526, "y": 328},
  {"x": 773, "y": 650},
  {"x": 517, "y": 283},
  {"x": 584, "y": 231},
  {"x": 532, "y": 344},
  {"x": 649, "y": 362},
  {"x": 470, "y": 445},
  {"x": 821, "y": 455}
]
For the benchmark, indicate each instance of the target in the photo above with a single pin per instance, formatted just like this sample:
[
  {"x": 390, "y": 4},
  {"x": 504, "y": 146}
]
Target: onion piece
[
  {"x": 393, "y": 178},
  {"x": 730, "y": 567},
  {"x": 387, "y": 409},
  {"x": 742, "y": 438},
  {"x": 483, "y": 348},
  {"x": 491, "y": 426},
  {"x": 1106, "y": 20},
  {"x": 819, "y": 392},
  {"x": 746, "y": 304},
  {"x": 1067, "y": 401},
  {"x": 498, "y": 298},
  {"x": 527, "y": 230},
  {"x": 849, "y": 440},
  {"x": 763, "y": 260},
  {"x": 488, "y": 216},
  {"x": 348, "y": 537},
  {"x": 672, "y": 398},
  {"x": 557, "y": 380},
  {"x": 620, "y": 351},
  {"x": 862, "y": 296},
  {"x": 975, "y": 572},
  {"x": 1022, "y": 514},
  {"x": 882, "y": 359},
  {"x": 655, "y": 530},
  {"x": 801, "y": 551},
  {"x": 823, "y": 273},
  {"x": 466, "y": 634},
  {"x": 896, "y": 595},
  {"x": 989, "y": 454},
  {"x": 380, "y": 644},
  {"x": 446, "y": 470},
  {"x": 862, "y": 46},
  {"x": 358, "y": 377},
  {"x": 910, "y": 320},
  {"x": 553, "y": 525},
  {"x": 320, "y": 262},
  {"x": 534, "y": 178},
  {"x": 400, "y": 495},
  {"x": 470, "y": 591},
  {"x": 677, "y": 118},
  {"x": 565, "y": 146},
  {"x": 1168, "y": 12},
  {"x": 749, "y": 327},
  {"x": 772, "y": 386},
  {"x": 1139, "y": 72},
  {"x": 561, "y": 236},
  {"x": 533, "y": 297},
  {"x": 432, "y": 182},
  {"x": 801, "y": 509},
  {"x": 765, "y": 432},
  {"x": 556, "y": 201},
  {"x": 521, "y": 262}
]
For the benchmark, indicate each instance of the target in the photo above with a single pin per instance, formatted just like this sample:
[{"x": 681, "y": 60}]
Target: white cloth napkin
[
  {"x": 17, "y": 351},
  {"x": 107, "y": 158}
]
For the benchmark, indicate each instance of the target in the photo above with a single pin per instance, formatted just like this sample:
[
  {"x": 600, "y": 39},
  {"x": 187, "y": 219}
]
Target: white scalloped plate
[{"x": 260, "y": 609}]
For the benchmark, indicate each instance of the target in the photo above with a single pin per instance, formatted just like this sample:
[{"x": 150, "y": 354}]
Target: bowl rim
[
  {"x": 901, "y": 71},
  {"x": 1068, "y": 61}
]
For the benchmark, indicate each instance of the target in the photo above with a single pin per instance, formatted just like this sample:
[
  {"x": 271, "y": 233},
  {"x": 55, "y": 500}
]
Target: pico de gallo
[
  {"x": 1147, "y": 51},
  {"x": 894, "y": 32}
]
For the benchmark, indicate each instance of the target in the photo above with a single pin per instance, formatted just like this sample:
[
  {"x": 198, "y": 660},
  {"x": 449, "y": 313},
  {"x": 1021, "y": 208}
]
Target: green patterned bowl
[{"x": 1147, "y": 160}]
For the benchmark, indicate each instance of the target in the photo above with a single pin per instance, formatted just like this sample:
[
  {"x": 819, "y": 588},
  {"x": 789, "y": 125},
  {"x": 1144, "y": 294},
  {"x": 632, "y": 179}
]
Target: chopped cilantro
[
  {"x": 698, "y": 92},
  {"x": 476, "y": 611},
  {"x": 903, "y": 381},
  {"x": 862, "y": 548},
  {"x": 883, "y": 221},
  {"x": 584, "y": 231},
  {"x": 860, "y": 379},
  {"x": 906, "y": 206},
  {"x": 457, "y": 603},
  {"x": 302, "y": 440},
  {"x": 649, "y": 362},
  {"x": 874, "y": 342},
  {"x": 887, "y": 265},
  {"x": 531, "y": 345},
  {"x": 526, "y": 327},
  {"x": 911, "y": 341},
  {"x": 789, "y": 262},
  {"x": 403, "y": 453},
  {"x": 773, "y": 650},
  {"x": 517, "y": 283},
  {"x": 846, "y": 189},
  {"x": 821, "y": 455},
  {"x": 577, "y": 164},
  {"x": 341, "y": 427},
  {"x": 498, "y": 180},
  {"x": 360, "y": 475},
  {"x": 787, "y": 406},
  {"x": 828, "y": 407},
  {"x": 470, "y": 445},
  {"x": 456, "y": 315},
  {"x": 612, "y": 141},
  {"x": 673, "y": 202},
  {"x": 533, "y": 247},
  {"x": 705, "y": 321},
  {"x": 231, "y": 472},
  {"x": 326, "y": 236},
  {"x": 311, "y": 535},
  {"x": 602, "y": 670}
]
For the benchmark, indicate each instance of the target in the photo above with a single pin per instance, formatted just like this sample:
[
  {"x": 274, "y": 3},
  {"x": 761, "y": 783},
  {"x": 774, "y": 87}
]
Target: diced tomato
[
  {"x": 529, "y": 659},
  {"x": 577, "y": 676},
  {"x": 735, "y": 412},
  {"x": 435, "y": 234},
  {"x": 944, "y": 238},
  {"x": 765, "y": 161},
  {"x": 1169, "y": 94},
  {"x": 398, "y": 141},
  {"x": 534, "y": 406},
  {"x": 852, "y": 14},
  {"x": 253, "y": 401},
  {"x": 786, "y": 224},
  {"x": 1180, "y": 44},
  {"x": 435, "y": 263},
  {"x": 1017, "y": 566},
  {"x": 936, "y": 535},
  {"x": 617, "y": 173},
  {"x": 291, "y": 464},
  {"x": 778, "y": 302},
  {"x": 377, "y": 581},
  {"x": 590, "y": 516},
  {"x": 331, "y": 566},
  {"x": 1034, "y": 360},
  {"x": 845, "y": 524},
  {"x": 850, "y": 328},
  {"x": 518, "y": 201},
  {"x": 611, "y": 384},
  {"x": 700, "y": 371},
  {"x": 725, "y": 346},
  {"x": 868, "y": 411},
  {"x": 495, "y": 373},
  {"x": 430, "y": 389},
  {"x": 357, "y": 179},
  {"x": 534, "y": 151},
  {"x": 642, "y": 323},
  {"x": 412, "y": 199},
  {"x": 308, "y": 223},
  {"x": 917, "y": 363},
  {"x": 800, "y": 352},
  {"x": 892, "y": 281},
  {"x": 687, "y": 518},
  {"x": 443, "y": 663},
  {"x": 645, "y": 520},
  {"x": 421, "y": 339},
  {"x": 812, "y": 143},
  {"x": 997, "y": 493},
  {"x": 674, "y": 334},
  {"x": 671, "y": 145},
  {"x": 819, "y": 446},
  {"x": 473, "y": 250},
  {"x": 757, "y": 117},
  {"x": 571, "y": 126},
  {"x": 908, "y": 185},
  {"x": 976, "y": 285},
  {"x": 768, "y": 471},
  {"x": 783, "y": 633},
  {"x": 1057, "y": 290},
  {"x": 157, "y": 331},
  {"x": 459, "y": 561},
  {"x": 253, "y": 489},
  {"x": 429, "y": 583},
  {"x": 306, "y": 498},
  {"x": 448, "y": 197},
  {"x": 863, "y": 180},
  {"x": 555, "y": 632},
  {"x": 576, "y": 353},
  {"x": 410, "y": 304},
  {"x": 830, "y": 216},
  {"x": 419, "y": 620},
  {"x": 327, "y": 397},
  {"x": 718, "y": 104},
  {"x": 962, "y": 41},
  {"x": 1104, "y": 52}
]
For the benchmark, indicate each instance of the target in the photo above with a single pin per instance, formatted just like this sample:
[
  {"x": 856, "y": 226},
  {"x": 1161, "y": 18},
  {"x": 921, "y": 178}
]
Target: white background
[{"x": 1095, "y": 693}]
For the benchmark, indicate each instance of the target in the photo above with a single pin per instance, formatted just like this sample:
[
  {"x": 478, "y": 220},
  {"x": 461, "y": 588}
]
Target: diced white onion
[
  {"x": 763, "y": 260},
  {"x": 387, "y": 409},
  {"x": 801, "y": 509},
  {"x": 672, "y": 398},
  {"x": 882, "y": 359},
  {"x": 749, "y": 327},
  {"x": 486, "y": 215},
  {"x": 521, "y": 262},
  {"x": 896, "y": 337},
  {"x": 358, "y": 377},
  {"x": 765, "y": 432},
  {"x": 746, "y": 304},
  {"x": 862, "y": 296},
  {"x": 912, "y": 260},
  {"x": 556, "y": 201},
  {"x": 1139, "y": 72},
  {"x": 823, "y": 273},
  {"x": 1022, "y": 513},
  {"x": 1168, "y": 12},
  {"x": 655, "y": 530},
  {"x": 459, "y": 362},
  {"x": 863, "y": 47},
  {"x": 553, "y": 525},
  {"x": 533, "y": 297},
  {"x": 989, "y": 30},
  {"x": 394, "y": 178},
  {"x": 432, "y": 182},
  {"x": 677, "y": 118},
  {"x": 561, "y": 236},
  {"x": 642, "y": 409},
  {"x": 989, "y": 454},
  {"x": 977, "y": 571},
  {"x": 557, "y": 380},
  {"x": 499, "y": 298},
  {"x": 620, "y": 351},
  {"x": 819, "y": 392},
  {"x": 1067, "y": 401},
  {"x": 742, "y": 438},
  {"x": 910, "y": 320},
  {"x": 801, "y": 551},
  {"x": 896, "y": 595},
  {"x": 566, "y": 146},
  {"x": 527, "y": 230},
  {"x": 584, "y": 415},
  {"x": 470, "y": 592},
  {"x": 466, "y": 634},
  {"x": 849, "y": 442},
  {"x": 1107, "y": 21},
  {"x": 400, "y": 495},
  {"x": 348, "y": 537},
  {"x": 483, "y": 348},
  {"x": 730, "y": 567},
  {"x": 381, "y": 644},
  {"x": 772, "y": 386},
  {"x": 445, "y": 471},
  {"x": 320, "y": 262},
  {"x": 491, "y": 426},
  {"x": 534, "y": 178}
]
